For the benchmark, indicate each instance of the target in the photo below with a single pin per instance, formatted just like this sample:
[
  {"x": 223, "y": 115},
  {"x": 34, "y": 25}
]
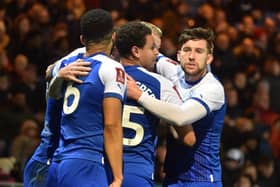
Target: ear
[
  {"x": 178, "y": 56},
  {"x": 82, "y": 40},
  {"x": 135, "y": 51},
  {"x": 114, "y": 35},
  {"x": 209, "y": 59}
]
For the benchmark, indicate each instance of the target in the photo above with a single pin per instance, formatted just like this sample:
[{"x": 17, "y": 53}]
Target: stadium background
[{"x": 35, "y": 33}]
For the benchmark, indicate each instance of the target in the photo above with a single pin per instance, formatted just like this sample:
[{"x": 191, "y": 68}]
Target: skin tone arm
[
  {"x": 112, "y": 109},
  {"x": 67, "y": 73},
  {"x": 186, "y": 135}
]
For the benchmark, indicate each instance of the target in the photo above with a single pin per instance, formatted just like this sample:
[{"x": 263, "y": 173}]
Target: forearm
[
  {"x": 55, "y": 87},
  {"x": 113, "y": 135},
  {"x": 113, "y": 148},
  {"x": 178, "y": 115}
]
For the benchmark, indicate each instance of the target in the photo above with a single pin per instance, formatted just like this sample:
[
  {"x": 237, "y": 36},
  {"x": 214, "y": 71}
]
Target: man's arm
[
  {"x": 113, "y": 134},
  {"x": 179, "y": 115},
  {"x": 186, "y": 135},
  {"x": 67, "y": 73}
]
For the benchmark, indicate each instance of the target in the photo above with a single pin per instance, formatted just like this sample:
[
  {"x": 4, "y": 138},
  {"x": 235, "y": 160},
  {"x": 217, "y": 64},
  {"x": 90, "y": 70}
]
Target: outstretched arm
[{"x": 187, "y": 113}]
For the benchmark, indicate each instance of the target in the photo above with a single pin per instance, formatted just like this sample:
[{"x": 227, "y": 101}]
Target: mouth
[{"x": 190, "y": 65}]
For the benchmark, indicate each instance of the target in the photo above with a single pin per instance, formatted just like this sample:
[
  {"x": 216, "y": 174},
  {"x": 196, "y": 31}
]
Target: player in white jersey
[{"x": 204, "y": 107}]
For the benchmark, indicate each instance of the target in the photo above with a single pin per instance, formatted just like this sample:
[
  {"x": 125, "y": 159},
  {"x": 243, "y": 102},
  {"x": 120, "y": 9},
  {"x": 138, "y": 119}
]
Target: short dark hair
[
  {"x": 96, "y": 25},
  {"x": 197, "y": 33},
  {"x": 131, "y": 34}
]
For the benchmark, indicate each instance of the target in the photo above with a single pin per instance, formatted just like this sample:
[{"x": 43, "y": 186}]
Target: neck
[
  {"x": 129, "y": 61},
  {"x": 98, "y": 48},
  {"x": 194, "y": 78}
]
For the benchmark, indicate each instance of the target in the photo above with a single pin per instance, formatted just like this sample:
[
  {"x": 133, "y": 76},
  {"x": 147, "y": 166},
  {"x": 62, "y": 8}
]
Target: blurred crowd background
[{"x": 35, "y": 33}]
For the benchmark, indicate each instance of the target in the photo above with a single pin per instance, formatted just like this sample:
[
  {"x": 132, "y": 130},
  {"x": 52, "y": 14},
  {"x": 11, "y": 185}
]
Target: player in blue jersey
[
  {"x": 36, "y": 168},
  {"x": 91, "y": 133},
  {"x": 204, "y": 107},
  {"x": 137, "y": 51}
]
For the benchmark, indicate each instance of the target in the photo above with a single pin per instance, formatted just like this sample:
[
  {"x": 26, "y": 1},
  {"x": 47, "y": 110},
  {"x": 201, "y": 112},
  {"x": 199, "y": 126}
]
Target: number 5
[{"x": 139, "y": 131}]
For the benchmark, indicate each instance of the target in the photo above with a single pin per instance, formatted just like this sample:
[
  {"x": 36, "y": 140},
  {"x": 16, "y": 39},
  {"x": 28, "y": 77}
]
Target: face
[
  {"x": 157, "y": 41},
  {"x": 194, "y": 58},
  {"x": 148, "y": 54}
]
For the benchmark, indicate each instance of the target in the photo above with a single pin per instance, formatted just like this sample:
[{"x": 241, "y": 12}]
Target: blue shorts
[
  {"x": 132, "y": 180},
  {"x": 179, "y": 183},
  {"x": 35, "y": 174},
  {"x": 77, "y": 172}
]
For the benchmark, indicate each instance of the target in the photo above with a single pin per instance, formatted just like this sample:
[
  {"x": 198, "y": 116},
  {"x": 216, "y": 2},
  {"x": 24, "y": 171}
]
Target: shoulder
[
  {"x": 163, "y": 61},
  {"x": 210, "y": 87}
]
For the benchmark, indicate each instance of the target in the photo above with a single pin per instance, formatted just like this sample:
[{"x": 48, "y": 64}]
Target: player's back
[{"x": 82, "y": 116}]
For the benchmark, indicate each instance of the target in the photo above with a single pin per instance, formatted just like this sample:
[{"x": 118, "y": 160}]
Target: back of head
[
  {"x": 131, "y": 34},
  {"x": 96, "y": 26},
  {"x": 198, "y": 33}
]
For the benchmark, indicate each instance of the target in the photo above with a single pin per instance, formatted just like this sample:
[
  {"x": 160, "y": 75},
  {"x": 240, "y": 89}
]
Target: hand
[
  {"x": 48, "y": 71},
  {"x": 133, "y": 92},
  {"x": 116, "y": 183},
  {"x": 75, "y": 69}
]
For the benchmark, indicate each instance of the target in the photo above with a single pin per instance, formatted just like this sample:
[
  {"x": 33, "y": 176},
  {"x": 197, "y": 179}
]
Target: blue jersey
[
  {"x": 140, "y": 125},
  {"x": 200, "y": 163},
  {"x": 51, "y": 130},
  {"x": 82, "y": 113}
]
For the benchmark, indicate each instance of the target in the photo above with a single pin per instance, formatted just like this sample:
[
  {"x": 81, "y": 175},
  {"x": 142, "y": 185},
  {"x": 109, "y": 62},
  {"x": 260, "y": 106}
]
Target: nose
[
  {"x": 156, "y": 51},
  {"x": 191, "y": 55}
]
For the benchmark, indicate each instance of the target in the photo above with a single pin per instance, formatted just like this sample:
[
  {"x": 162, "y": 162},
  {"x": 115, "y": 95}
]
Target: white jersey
[{"x": 169, "y": 68}]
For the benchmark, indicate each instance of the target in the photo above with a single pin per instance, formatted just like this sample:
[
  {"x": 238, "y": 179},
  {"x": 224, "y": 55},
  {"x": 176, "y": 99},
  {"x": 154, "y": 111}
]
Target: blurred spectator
[
  {"x": 25, "y": 142},
  {"x": 275, "y": 138},
  {"x": 232, "y": 164},
  {"x": 4, "y": 88},
  {"x": 267, "y": 172},
  {"x": 250, "y": 169},
  {"x": 22, "y": 26},
  {"x": 260, "y": 108},
  {"x": 243, "y": 181},
  {"x": 224, "y": 64},
  {"x": 244, "y": 89},
  {"x": 4, "y": 37},
  {"x": 272, "y": 75},
  {"x": 19, "y": 65}
]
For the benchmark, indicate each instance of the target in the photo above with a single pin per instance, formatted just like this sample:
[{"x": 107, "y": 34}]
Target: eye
[
  {"x": 200, "y": 50},
  {"x": 186, "y": 49}
]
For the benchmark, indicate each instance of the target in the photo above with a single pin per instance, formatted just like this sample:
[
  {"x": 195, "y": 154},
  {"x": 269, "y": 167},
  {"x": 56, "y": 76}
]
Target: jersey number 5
[{"x": 139, "y": 131}]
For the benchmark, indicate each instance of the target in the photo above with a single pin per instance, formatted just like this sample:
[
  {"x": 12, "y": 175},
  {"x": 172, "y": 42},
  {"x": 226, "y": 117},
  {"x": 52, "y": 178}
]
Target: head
[
  {"x": 96, "y": 28},
  {"x": 156, "y": 32},
  {"x": 135, "y": 43},
  {"x": 195, "y": 52}
]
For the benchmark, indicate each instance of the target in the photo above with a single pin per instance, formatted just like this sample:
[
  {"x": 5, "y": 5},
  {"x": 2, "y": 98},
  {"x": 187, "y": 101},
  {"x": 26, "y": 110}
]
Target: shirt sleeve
[
  {"x": 113, "y": 77},
  {"x": 193, "y": 109}
]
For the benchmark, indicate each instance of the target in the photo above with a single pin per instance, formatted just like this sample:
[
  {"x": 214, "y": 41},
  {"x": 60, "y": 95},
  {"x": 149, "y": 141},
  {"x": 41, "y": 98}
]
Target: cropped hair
[
  {"x": 131, "y": 34},
  {"x": 198, "y": 33},
  {"x": 155, "y": 29},
  {"x": 96, "y": 26}
]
